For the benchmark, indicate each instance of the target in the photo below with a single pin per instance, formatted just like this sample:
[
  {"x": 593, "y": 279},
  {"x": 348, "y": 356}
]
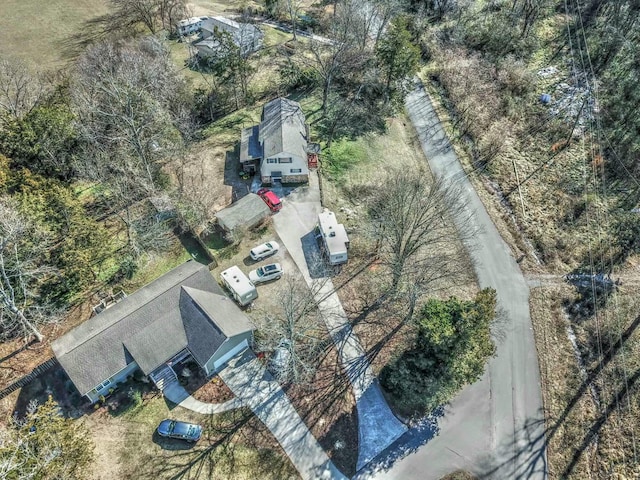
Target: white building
[
  {"x": 277, "y": 146},
  {"x": 245, "y": 35},
  {"x": 189, "y": 26}
]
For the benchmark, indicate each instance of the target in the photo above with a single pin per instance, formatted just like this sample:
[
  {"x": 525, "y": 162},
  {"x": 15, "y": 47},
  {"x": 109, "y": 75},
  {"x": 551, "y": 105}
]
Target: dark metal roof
[{"x": 250, "y": 145}]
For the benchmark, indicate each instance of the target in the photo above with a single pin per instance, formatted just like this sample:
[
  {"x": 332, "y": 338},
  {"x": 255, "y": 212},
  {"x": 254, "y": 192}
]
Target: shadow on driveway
[{"x": 316, "y": 263}]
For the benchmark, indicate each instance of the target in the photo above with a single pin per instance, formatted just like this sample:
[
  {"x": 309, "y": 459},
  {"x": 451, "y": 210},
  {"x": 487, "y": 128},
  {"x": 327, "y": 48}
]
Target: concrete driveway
[
  {"x": 255, "y": 387},
  {"x": 494, "y": 428},
  {"x": 377, "y": 426}
]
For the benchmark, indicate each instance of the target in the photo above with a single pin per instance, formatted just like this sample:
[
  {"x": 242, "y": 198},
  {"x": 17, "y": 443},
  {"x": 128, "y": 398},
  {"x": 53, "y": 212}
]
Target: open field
[{"x": 36, "y": 31}]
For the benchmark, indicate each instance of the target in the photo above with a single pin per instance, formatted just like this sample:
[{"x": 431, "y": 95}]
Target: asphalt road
[{"x": 494, "y": 428}]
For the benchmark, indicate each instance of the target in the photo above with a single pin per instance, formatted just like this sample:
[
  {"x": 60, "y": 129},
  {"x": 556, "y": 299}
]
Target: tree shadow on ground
[
  {"x": 316, "y": 264},
  {"x": 239, "y": 186},
  {"x": 218, "y": 454},
  {"x": 421, "y": 432},
  {"x": 96, "y": 30},
  {"x": 54, "y": 383},
  {"x": 525, "y": 454}
]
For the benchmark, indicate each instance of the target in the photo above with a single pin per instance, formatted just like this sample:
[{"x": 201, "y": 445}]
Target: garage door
[{"x": 230, "y": 354}]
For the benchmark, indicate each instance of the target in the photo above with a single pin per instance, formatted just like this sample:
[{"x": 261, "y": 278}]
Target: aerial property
[
  {"x": 180, "y": 316},
  {"x": 278, "y": 146}
]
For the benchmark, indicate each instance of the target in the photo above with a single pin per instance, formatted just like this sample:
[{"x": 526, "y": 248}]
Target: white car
[
  {"x": 265, "y": 250},
  {"x": 272, "y": 271}
]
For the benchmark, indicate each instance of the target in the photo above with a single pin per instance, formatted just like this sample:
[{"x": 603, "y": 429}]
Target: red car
[{"x": 270, "y": 198}]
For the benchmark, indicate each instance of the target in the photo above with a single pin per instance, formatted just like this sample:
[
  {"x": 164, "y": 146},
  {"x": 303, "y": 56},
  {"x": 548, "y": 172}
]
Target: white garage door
[{"x": 230, "y": 354}]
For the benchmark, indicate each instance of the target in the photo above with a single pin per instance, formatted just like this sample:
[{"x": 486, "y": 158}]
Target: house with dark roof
[
  {"x": 277, "y": 147},
  {"x": 180, "y": 316}
]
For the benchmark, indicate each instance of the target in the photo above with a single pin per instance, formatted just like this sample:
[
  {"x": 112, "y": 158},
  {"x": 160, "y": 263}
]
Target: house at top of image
[
  {"x": 189, "y": 26},
  {"x": 278, "y": 146},
  {"x": 182, "y": 315},
  {"x": 246, "y": 36}
]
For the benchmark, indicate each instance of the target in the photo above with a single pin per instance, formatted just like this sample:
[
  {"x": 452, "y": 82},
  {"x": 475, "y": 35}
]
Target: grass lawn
[
  {"x": 234, "y": 445},
  {"x": 37, "y": 31}
]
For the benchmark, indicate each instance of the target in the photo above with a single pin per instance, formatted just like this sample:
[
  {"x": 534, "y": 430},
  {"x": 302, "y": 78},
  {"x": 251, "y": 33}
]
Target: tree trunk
[{"x": 31, "y": 326}]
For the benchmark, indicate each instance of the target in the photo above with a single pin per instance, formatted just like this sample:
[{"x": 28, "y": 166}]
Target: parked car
[
  {"x": 270, "y": 198},
  {"x": 265, "y": 250},
  {"x": 180, "y": 430},
  {"x": 272, "y": 271}
]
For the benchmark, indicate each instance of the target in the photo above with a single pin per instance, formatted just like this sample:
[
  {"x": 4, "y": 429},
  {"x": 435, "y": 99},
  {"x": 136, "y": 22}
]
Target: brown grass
[
  {"x": 234, "y": 445},
  {"x": 379, "y": 330},
  {"x": 36, "y": 31}
]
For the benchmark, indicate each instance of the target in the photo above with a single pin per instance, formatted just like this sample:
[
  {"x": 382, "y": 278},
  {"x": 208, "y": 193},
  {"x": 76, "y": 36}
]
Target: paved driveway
[
  {"x": 494, "y": 428},
  {"x": 377, "y": 426},
  {"x": 256, "y": 388}
]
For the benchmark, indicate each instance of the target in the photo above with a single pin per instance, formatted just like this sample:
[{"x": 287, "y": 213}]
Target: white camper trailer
[
  {"x": 333, "y": 238},
  {"x": 242, "y": 289}
]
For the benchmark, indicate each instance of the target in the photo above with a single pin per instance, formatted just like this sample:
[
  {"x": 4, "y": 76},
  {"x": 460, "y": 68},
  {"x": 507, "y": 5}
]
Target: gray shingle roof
[
  {"x": 244, "y": 213},
  {"x": 203, "y": 335},
  {"x": 283, "y": 129},
  {"x": 148, "y": 326}
]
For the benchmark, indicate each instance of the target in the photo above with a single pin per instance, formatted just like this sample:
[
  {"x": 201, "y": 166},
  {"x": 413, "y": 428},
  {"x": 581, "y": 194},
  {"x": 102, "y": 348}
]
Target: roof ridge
[{"x": 107, "y": 327}]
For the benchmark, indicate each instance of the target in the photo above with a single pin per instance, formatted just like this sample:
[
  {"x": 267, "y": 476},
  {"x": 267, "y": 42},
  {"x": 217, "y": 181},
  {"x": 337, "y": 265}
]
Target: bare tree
[
  {"x": 413, "y": 227},
  {"x": 295, "y": 332},
  {"x": 292, "y": 7},
  {"x": 152, "y": 14},
  {"x": 123, "y": 96},
  {"x": 22, "y": 271},
  {"x": 342, "y": 57},
  {"x": 20, "y": 89}
]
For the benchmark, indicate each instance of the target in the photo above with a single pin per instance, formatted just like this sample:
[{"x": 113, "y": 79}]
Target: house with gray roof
[
  {"x": 180, "y": 316},
  {"x": 277, "y": 147},
  {"x": 246, "y": 36},
  {"x": 243, "y": 214}
]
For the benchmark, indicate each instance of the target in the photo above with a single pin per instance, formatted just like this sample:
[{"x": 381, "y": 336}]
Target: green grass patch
[
  {"x": 40, "y": 32},
  {"x": 227, "y": 129},
  {"x": 342, "y": 156},
  {"x": 273, "y": 36}
]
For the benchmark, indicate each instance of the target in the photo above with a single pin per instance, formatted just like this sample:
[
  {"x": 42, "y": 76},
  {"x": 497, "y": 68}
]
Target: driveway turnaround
[
  {"x": 377, "y": 426},
  {"x": 254, "y": 386},
  {"x": 494, "y": 428}
]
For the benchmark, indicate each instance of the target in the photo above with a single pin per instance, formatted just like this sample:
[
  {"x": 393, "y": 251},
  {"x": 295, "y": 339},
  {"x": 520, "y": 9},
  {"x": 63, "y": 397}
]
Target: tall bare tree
[
  {"x": 295, "y": 332},
  {"x": 128, "y": 100},
  {"x": 413, "y": 227},
  {"x": 22, "y": 271},
  {"x": 20, "y": 89},
  {"x": 152, "y": 14}
]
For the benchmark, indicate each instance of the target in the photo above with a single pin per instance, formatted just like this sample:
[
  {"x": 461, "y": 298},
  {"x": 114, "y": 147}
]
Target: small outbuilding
[{"x": 244, "y": 214}]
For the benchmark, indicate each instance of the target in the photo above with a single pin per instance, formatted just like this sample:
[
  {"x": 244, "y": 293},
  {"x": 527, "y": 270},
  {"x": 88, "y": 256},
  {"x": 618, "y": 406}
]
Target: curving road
[{"x": 495, "y": 427}]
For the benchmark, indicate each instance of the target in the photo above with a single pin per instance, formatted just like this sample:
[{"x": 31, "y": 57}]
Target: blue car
[{"x": 180, "y": 430}]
